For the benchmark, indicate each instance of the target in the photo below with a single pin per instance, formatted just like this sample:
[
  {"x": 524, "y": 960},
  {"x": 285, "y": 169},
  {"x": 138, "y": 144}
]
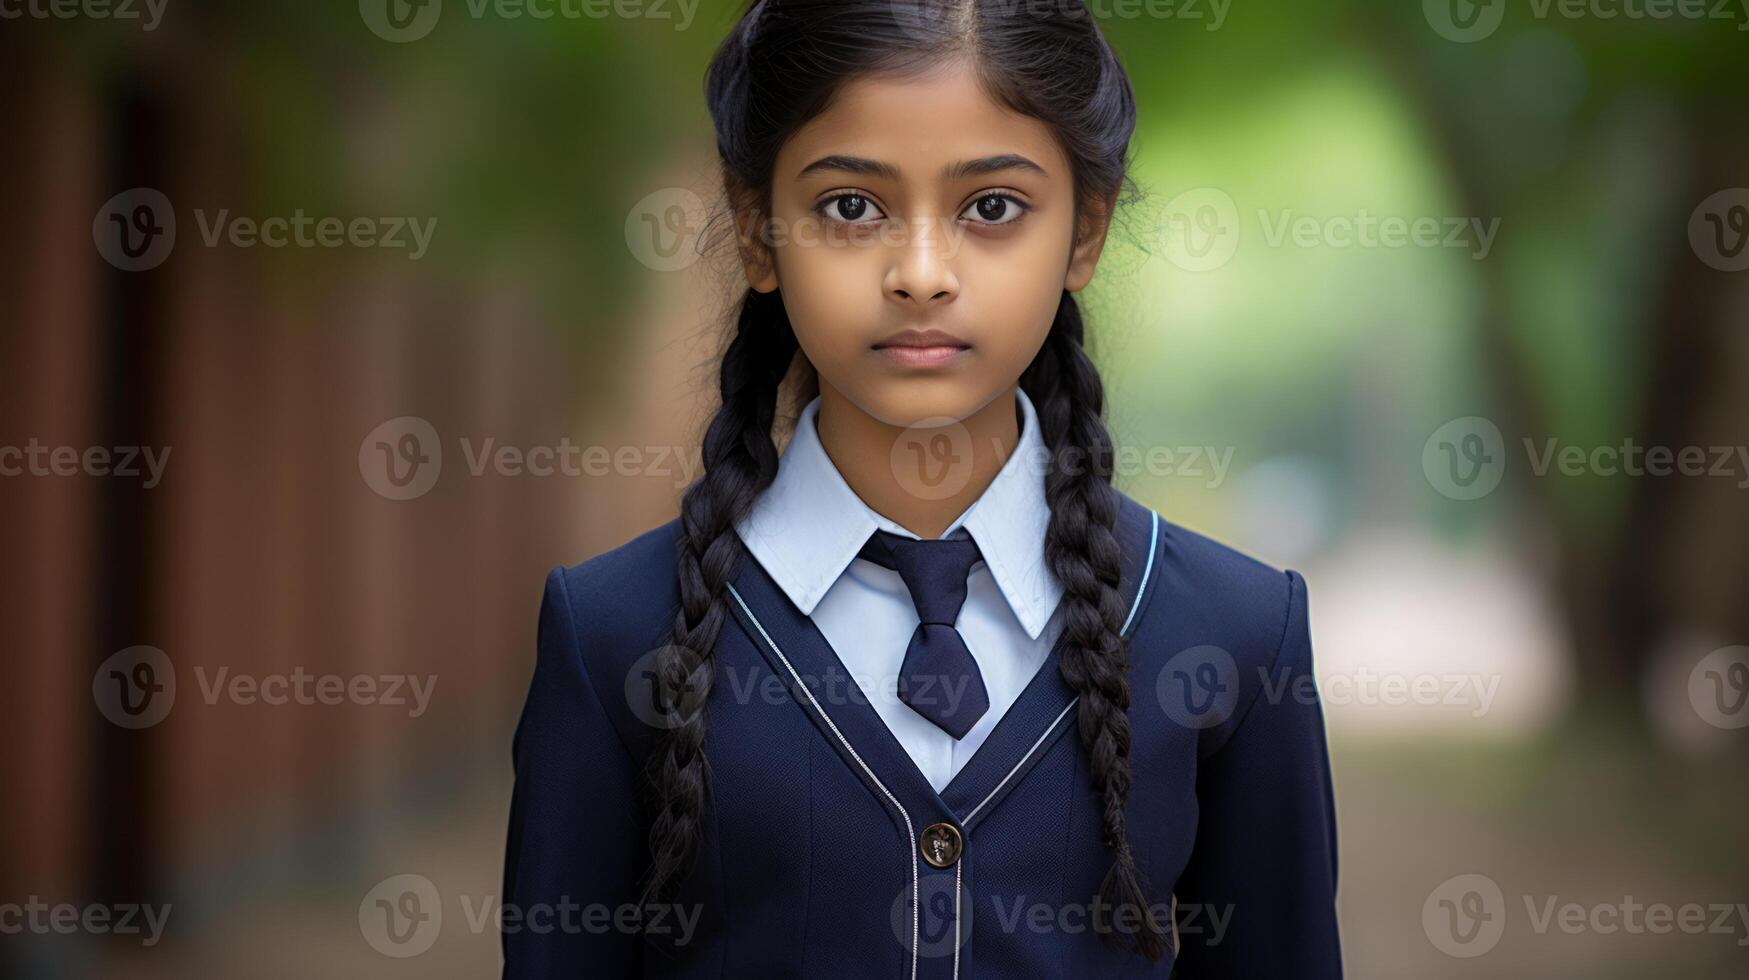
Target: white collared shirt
[{"x": 806, "y": 528}]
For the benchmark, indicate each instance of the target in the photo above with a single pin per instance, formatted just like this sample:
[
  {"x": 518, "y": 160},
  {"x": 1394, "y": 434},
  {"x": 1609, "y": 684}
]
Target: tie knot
[{"x": 934, "y": 571}]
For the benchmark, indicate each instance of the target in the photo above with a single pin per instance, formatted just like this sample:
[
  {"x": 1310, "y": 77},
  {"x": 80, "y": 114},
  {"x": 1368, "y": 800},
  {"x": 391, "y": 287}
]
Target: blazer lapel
[
  {"x": 1046, "y": 708},
  {"x": 822, "y": 686}
]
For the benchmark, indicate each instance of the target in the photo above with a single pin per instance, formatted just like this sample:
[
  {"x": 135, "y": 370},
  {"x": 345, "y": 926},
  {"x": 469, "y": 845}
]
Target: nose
[{"x": 921, "y": 271}]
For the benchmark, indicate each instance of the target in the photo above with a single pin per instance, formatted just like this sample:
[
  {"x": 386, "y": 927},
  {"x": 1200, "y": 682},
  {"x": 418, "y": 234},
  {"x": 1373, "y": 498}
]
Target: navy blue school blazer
[{"x": 827, "y": 853}]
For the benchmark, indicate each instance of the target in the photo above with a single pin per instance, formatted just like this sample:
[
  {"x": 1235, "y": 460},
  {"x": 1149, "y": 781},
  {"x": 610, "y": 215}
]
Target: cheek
[
  {"x": 832, "y": 296},
  {"x": 1018, "y": 286}
]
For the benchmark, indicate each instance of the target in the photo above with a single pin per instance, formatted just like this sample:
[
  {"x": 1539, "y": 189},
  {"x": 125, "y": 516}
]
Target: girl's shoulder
[
  {"x": 626, "y": 596},
  {"x": 603, "y": 621},
  {"x": 1202, "y": 568},
  {"x": 1209, "y": 593}
]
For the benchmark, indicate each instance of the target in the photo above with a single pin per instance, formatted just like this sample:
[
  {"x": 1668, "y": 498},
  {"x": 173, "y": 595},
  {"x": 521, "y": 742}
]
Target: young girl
[{"x": 820, "y": 723}]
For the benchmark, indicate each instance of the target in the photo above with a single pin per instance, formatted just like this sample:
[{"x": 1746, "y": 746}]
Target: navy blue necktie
[{"x": 938, "y": 679}]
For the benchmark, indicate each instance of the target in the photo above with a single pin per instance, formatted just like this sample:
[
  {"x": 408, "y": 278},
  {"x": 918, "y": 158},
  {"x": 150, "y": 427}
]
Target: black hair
[{"x": 780, "y": 66}]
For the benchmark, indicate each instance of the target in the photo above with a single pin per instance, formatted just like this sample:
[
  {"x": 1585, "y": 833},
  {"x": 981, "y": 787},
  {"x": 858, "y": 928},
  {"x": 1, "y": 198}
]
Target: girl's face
[{"x": 923, "y": 206}]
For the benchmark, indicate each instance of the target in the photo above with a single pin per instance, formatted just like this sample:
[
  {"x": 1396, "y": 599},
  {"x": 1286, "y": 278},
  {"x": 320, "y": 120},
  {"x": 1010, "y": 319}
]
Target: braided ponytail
[
  {"x": 740, "y": 461},
  {"x": 1082, "y": 551}
]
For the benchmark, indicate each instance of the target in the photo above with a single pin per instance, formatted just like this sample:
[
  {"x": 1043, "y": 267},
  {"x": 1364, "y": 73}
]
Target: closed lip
[{"x": 921, "y": 338}]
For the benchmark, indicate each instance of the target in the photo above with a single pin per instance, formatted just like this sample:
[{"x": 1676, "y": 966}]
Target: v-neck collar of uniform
[{"x": 800, "y": 655}]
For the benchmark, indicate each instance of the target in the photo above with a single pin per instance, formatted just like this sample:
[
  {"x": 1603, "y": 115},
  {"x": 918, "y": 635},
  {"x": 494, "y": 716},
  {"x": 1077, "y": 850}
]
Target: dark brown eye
[
  {"x": 998, "y": 209},
  {"x": 848, "y": 207}
]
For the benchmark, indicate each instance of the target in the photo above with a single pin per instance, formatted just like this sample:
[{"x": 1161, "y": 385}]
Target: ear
[
  {"x": 1089, "y": 242},
  {"x": 757, "y": 259}
]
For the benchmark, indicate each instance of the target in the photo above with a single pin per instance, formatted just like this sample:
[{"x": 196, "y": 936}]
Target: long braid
[
  {"x": 1084, "y": 554},
  {"x": 740, "y": 461}
]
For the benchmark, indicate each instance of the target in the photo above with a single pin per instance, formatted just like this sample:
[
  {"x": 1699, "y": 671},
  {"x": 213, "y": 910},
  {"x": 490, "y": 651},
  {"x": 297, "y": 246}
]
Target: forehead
[{"x": 920, "y": 124}]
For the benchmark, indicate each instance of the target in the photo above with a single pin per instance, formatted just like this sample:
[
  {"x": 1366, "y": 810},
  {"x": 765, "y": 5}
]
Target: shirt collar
[{"x": 808, "y": 526}]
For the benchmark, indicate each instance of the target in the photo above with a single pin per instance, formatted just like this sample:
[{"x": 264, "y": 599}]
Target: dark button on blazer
[{"x": 827, "y": 853}]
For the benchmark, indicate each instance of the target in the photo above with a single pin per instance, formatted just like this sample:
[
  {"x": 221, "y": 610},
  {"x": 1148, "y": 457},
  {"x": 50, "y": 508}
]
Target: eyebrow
[{"x": 953, "y": 171}]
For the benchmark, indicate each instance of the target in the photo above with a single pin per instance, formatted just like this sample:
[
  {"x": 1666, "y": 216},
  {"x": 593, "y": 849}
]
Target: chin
[{"x": 925, "y": 402}]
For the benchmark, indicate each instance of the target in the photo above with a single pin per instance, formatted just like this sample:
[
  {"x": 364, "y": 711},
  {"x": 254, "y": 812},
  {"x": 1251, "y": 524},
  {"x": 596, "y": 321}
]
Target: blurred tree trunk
[
  {"x": 1683, "y": 558},
  {"x": 1613, "y": 579}
]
